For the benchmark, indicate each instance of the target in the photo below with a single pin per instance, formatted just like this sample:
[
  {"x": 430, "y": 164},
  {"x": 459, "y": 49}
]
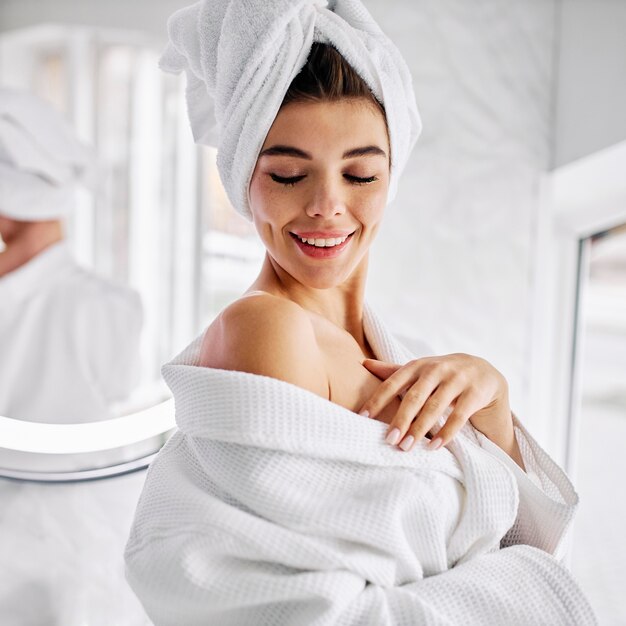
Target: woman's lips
[
  {"x": 318, "y": 234},
  {"x": 321, "y": 252}
]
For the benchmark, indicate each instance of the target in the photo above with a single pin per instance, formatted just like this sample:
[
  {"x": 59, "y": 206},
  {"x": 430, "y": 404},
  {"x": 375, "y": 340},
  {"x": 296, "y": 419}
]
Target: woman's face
[{"x": 322, "y": 173}]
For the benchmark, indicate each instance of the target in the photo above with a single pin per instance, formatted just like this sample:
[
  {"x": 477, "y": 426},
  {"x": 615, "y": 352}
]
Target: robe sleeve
[{"x": 547, "y": 498}]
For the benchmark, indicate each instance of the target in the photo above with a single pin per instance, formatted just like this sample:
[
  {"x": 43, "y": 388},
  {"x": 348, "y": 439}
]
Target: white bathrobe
[
  {"x": 272, "y": 506},
  {"x": 69, "y": 340}
]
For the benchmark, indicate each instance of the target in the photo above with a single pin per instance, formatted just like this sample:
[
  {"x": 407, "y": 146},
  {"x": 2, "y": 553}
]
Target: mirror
[
  {"x": 152, "y": 234},
  {"x": 152, "y": 227},
  {"x": 115, "y": 243}
]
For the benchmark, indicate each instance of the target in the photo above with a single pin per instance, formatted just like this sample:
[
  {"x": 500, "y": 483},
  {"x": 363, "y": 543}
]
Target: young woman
[
  {"x": 278, "y": 501},
  {"x": 322, "y": 176}
]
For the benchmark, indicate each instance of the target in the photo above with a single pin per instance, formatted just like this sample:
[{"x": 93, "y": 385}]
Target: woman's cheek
[{"x": 370, "y": 206}]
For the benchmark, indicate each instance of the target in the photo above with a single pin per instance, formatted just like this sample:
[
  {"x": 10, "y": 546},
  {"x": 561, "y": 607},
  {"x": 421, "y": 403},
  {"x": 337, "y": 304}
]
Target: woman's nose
[{"x": 327, "y": 201}]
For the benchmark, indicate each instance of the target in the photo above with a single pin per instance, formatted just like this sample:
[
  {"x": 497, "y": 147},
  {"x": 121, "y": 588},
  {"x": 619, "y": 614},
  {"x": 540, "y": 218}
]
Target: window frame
[{"x": 577, "y": 201}]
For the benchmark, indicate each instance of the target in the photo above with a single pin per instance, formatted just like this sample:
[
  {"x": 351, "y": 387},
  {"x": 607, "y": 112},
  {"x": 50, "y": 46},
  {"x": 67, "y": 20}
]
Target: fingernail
[
  {"x": 393, "y": 437},
  {"x": 435, "y": 443},
  {"x": 407, "y": 442},
  {"x": 365, "y": 413}
]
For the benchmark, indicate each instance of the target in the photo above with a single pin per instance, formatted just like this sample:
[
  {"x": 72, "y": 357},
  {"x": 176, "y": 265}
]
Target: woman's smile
[{"x": 322, "y": 248}]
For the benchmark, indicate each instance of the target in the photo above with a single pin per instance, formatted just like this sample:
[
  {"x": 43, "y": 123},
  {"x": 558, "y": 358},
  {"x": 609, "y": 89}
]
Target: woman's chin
[{"x": 322, "y": 278}]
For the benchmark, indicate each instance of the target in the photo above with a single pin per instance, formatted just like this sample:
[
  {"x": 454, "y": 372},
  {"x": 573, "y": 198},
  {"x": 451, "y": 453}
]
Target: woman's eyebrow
[
  {"x": 296, "y": 152},
  {"x": 364, "y": 151}
]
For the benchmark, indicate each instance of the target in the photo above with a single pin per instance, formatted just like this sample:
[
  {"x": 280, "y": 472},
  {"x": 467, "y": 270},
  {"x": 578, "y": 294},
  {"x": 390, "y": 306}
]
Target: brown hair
[{"x": 328, "y": 77}]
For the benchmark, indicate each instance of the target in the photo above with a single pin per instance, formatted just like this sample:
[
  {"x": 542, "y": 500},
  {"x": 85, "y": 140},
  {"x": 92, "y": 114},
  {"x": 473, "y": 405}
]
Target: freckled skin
[{"x": 325, "y": 199}]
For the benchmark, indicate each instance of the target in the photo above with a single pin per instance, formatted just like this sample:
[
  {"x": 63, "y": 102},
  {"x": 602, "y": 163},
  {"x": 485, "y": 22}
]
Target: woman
[
  {"x": 49, "y": 303},
  {"x": 308, "y": 297},
  {"x": 275, "y": 502}
]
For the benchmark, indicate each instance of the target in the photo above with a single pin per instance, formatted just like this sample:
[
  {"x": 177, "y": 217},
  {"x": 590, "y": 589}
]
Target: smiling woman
[
  {"x": 323, "y": 187},
  {"x": 317, "y": 196},
  {"x": 278, "y": 501}
]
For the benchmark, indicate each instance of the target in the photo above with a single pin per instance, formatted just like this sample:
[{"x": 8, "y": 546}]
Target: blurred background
[{"x": 507, "y": 240}]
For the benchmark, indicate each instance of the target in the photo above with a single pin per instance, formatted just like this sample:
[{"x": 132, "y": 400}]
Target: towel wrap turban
[
  {"x": 41, "y": 160},
  {"x": 241, "y": 56}
]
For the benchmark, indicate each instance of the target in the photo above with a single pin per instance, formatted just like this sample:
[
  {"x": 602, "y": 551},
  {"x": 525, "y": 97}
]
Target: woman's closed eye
[{"x": 290, "y": 182}]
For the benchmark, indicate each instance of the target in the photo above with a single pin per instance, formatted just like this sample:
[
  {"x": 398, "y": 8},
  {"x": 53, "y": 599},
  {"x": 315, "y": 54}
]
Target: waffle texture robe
[{"x": 272, "y": 506}]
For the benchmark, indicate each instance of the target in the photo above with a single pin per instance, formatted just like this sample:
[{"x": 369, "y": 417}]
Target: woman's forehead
[{"x": 344, "y": 128}]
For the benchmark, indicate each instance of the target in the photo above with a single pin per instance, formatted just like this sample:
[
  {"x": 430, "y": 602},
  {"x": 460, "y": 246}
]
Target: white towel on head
[
  {"x": 41, "y": 160},
  {"x": 240, "y": 58}
]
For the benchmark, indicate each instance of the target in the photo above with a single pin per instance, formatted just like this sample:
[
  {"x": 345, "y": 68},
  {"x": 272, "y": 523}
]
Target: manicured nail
[
  {"x": 365, "y": 413},
  {"x": 407, "y": 442},
  {"x": 435, "y": 443},
  {"x": 393, "y": 437}
]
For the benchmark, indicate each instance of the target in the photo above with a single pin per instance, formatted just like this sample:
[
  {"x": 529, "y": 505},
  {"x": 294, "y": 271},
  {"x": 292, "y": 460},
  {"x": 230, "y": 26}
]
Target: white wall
[
  {"x": 591, "y": 81},
  {"x": 146, "y": 15},
  {"x": 453, "y": 262}
]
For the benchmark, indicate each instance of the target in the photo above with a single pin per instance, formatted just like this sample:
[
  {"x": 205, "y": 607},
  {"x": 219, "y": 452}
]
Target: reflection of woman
[
  {"x": 69, "y": 338},
  {"x": 68, "y": 347},
  {"x": 276, "y": 503}
]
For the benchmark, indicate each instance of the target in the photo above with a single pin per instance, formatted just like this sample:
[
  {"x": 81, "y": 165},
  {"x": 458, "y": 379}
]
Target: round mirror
[
  {"x": 94, "y": 301},
  {"x": 158, "y": 251}
]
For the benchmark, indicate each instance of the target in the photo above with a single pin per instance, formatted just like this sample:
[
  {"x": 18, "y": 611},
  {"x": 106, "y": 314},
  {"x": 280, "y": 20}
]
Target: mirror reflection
[
  {"x": 165, "y": 252},
  {"x": 69, "y": 337},
  {"x": 110, "y": 262}
]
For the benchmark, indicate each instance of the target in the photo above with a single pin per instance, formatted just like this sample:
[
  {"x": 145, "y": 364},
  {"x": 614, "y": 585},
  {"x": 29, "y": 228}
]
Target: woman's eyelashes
[{"x": 290, "y": 182}]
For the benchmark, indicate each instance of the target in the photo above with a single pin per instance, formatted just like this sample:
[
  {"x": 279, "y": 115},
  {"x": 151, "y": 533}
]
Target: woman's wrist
[
  {"x": 509, "y": 444},
  {"x": 504, "y": 437},
  {"x": 500, "y": 429},
  {"x": 495, "y": 421}
]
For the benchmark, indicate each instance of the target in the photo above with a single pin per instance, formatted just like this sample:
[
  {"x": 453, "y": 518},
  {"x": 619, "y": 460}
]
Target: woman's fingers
[
  {"x": 468, "y": 403},
  {"x": 396, "y": 379},
  {"x": 420, "y": 409},
  {"x": 382, "y": 369},
  {"x": 428, "y": 387}
]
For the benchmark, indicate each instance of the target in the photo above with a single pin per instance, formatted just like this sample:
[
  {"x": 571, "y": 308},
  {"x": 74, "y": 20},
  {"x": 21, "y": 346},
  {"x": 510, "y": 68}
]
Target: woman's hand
[{"x": 472, "y": 386}]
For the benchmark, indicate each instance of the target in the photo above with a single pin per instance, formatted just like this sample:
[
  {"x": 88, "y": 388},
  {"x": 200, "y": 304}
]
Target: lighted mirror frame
[
  {"x": 578, "y": 200},
  {"x": 33, "y": 451}
]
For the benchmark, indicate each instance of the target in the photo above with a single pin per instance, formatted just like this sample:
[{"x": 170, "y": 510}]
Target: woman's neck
[{"x": 341, "y": 304}]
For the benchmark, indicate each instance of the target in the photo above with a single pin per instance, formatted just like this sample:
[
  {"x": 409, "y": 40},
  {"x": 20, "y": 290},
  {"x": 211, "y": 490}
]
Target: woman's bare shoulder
[{"x": 264, "y": 334}]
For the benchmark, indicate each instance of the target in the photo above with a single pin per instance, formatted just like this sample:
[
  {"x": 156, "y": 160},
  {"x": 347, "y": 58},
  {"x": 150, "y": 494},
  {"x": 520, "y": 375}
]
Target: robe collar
[{"x": 252, "y": 409}]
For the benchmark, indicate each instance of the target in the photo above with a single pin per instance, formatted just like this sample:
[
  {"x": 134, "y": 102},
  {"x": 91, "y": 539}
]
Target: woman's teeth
[{"x": 324, "y": 243}]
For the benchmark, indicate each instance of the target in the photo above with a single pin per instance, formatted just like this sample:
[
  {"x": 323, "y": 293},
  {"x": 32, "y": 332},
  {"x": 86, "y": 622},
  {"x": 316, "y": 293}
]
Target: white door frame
[{"x": 577, "y": 200}]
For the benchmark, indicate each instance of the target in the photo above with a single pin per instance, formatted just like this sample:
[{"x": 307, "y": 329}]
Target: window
[{"x": 599, "y": 550}]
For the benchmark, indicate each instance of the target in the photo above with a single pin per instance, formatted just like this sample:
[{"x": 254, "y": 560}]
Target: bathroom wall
[
  {"x": 149, "y": 16},
  {"x": 507, "y": 91},
  {"x": 453, "y": 262},
  {"x": 591, "y": 80}
]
